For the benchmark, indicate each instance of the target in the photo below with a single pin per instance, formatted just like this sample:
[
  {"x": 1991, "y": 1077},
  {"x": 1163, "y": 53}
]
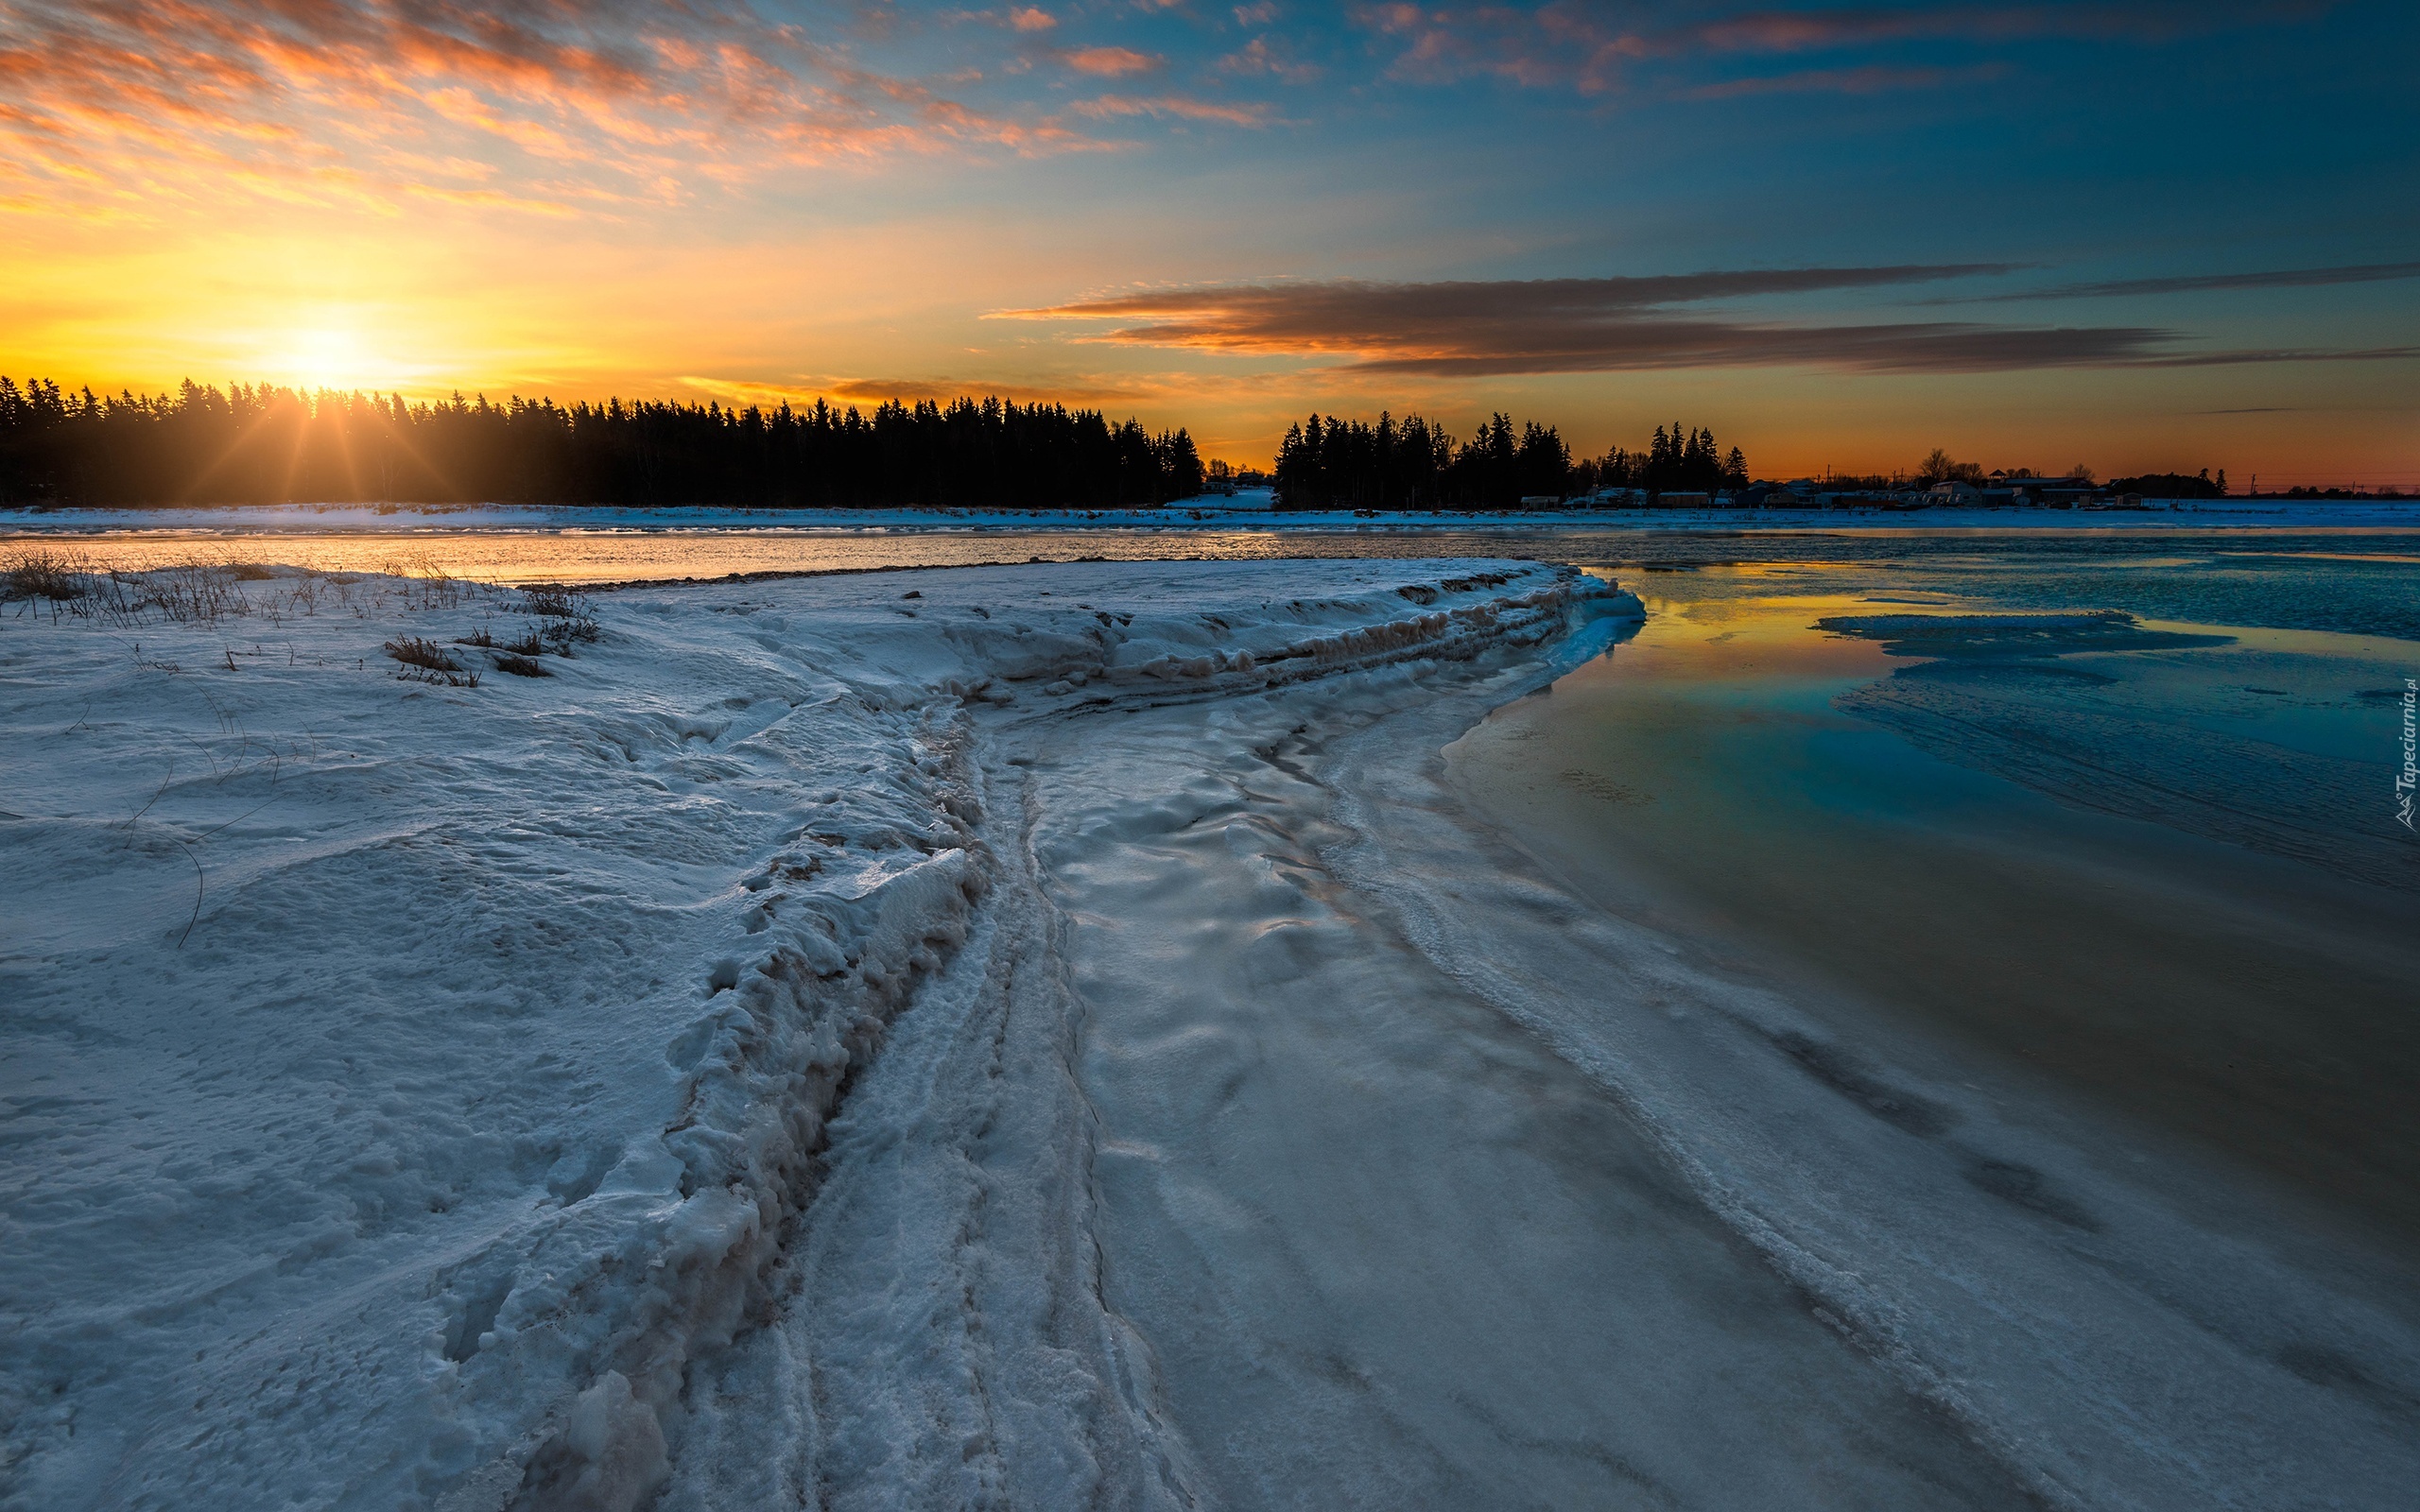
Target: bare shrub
[
  {"x": 193, "y": 592},
  {"x": 429, "y": 585},
  {"x": 41, "y": 572},
  {"x": 522, "y": 666}
]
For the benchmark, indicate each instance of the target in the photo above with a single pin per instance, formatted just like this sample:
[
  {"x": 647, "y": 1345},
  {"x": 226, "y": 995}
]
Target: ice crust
[
  {"x": 1017, "y": 1037},
  {"x": 406, "y": 1083}
]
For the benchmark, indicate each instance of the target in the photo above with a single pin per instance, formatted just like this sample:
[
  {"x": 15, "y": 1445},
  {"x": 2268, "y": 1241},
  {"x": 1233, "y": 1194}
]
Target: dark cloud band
[
  {"x": 1471, "y": 329},
  {"x": 2298, "y": 278}
]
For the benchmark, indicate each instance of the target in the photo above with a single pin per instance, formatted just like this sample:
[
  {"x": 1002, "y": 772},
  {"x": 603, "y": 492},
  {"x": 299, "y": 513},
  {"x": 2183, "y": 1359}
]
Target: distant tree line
[
  {"x": 1670, "y": 464},
  {"x": 269, "y": 445},
  {"x": 2174, "y": 484},
  {"x": 1328, "y": 463},
  {"x": 1940, "y": 468}
]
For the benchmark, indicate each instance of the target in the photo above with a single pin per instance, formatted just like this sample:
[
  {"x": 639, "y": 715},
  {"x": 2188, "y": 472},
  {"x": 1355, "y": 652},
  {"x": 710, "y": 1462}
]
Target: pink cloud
[
  {"x": 1110, "y": 63},
  {"x": 1258, "y": 57}
]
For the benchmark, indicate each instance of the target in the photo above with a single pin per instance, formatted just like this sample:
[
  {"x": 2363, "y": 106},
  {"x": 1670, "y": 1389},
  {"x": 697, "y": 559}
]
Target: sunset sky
[{"x": 2138, "y": 235}]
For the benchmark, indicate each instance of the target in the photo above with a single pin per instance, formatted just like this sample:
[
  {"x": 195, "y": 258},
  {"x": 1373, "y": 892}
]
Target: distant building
[
  {"x": 1949, "y": 490},
  {"x": 2058, "y": 492},
  {"x": 1685, "y": 501}
]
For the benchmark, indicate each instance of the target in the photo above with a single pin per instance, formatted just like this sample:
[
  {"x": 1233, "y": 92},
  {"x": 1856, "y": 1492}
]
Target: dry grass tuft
[
  {"x": 566, "y": 616},
  {"x": 413, "y": 651}
]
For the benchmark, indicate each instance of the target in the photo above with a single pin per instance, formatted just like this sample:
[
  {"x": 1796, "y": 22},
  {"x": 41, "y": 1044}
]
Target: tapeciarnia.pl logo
[{"x": 2406, "y": 780}]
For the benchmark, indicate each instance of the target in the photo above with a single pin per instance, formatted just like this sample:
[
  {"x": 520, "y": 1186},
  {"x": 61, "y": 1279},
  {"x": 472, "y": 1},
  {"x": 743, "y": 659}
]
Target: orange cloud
[
  {"x": 1180, "y": 107},
  {"x": 1076, "y": 390},
  {"x": 125, "y": 100},
  {"x": 1110, "y": 63}
]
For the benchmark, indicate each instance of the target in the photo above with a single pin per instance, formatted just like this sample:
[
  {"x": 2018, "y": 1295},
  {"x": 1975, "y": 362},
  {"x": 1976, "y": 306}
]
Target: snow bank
[{"x": 408, "y": 1075}]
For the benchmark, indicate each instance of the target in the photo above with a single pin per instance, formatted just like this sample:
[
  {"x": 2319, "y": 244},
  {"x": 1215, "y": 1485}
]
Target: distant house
[
  {"x": 1685, "y": 501},
  {"x": 1949, "y": 490},
  {"x": 2057, "y": 493},
  {"x": 1541, "y": 501}
]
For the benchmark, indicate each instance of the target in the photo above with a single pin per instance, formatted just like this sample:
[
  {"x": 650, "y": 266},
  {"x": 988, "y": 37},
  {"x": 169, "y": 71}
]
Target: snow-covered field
[
  {"x": 1027, "y": 1037},
  {"x": 405, "y": 1080}
]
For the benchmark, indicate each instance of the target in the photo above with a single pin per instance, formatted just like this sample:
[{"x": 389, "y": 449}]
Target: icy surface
[
  {"x": 1029, "y": 1036},
  {"x": 406, "y": 1079}
]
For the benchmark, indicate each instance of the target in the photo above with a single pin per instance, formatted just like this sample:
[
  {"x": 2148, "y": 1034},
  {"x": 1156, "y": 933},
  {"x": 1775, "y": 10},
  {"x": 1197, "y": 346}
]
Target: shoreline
[
  {"x": 2183, "y": 518},
  {"x": 2128, "y": 972},
  {"x": 1987, "y": 1238},
  {"x": 1773, "y": 797}
]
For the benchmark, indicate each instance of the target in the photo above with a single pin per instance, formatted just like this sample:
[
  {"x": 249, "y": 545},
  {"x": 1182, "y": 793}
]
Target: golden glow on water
[
  {"x": 1696, "y": 638},
  {"x": 627, "y": 556}
]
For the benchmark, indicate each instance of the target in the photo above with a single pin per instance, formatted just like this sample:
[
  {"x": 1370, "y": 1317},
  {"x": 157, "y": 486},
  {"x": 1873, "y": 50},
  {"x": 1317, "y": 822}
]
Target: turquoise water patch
[
  {"x": 2155, "y": 859},
  {"x": 2269, "y": 748}
]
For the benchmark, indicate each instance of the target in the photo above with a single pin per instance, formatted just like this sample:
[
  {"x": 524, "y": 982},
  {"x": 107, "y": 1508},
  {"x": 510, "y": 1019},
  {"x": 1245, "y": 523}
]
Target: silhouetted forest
[
  {"x": 270, "y": 445},
  {"x": 1328, "y": 463},
  {"x": 1673, "y": 463}
]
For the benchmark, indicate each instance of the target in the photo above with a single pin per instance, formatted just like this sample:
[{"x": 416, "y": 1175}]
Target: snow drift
[{"x": 411, "y": 1071}]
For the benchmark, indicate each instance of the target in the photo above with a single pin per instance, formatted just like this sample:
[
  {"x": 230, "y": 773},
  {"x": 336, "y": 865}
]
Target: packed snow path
[
  {"x": 1189, "y": 1185},
  {"x": 1021, "y": 1038}
]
